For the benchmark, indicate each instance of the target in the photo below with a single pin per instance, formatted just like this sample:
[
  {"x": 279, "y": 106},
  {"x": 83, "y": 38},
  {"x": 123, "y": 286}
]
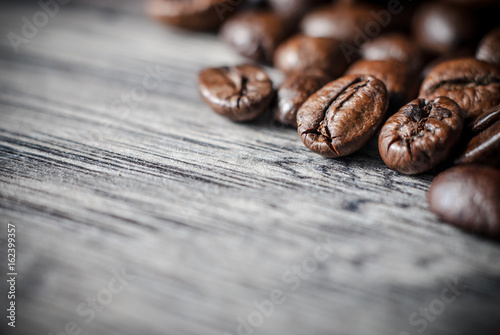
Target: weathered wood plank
[{"x": 209, "y": 215}]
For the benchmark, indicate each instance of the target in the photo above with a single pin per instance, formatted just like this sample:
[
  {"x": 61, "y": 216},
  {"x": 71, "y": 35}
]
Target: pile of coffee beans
[{"x": 422, "y": 76}]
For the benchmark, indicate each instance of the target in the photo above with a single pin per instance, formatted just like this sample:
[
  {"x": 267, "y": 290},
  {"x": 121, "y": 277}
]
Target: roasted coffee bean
[
  {"x": 396, "y": 76},
  {"x": 302, "y": 52},
  {"x": 440, "y": 27},
  {"x": 468, "y": 197},
  {"x": 294, "y": 91},
  {"x": 343, "y": 116},
  {"x": 255, "y": 34},
  {"x": 341, "y": 22},
  {"x": 421, "y": 135},
  {"x": 483, "y": 140},
  {"x": 190, "y": 14},
  {"x": 396, "y": 46},
  {"x": 293, "y": 9},
  {"x": 489, "y": 48},
  {"x": 240, "y": 93},
  {"x": 473, "y": 84}
]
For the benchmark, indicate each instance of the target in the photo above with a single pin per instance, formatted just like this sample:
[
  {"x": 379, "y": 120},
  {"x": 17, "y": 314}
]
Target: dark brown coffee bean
[
  {"x": 440, "y": 27},
  {"x": 293, "y": 9},
  {"x": 421, "y": 135},
  {"x": 190, "y": 14},
  {"x": 396, "y": 76},
  {"x": 302, "y": 52},
  {"x": 489, "y": 48},
  {"x": 473, "y": 84},
  {"x": 240, "y": 93},
  {"x": 294, "y": 91},
  {"x": 468, "y": 197},
  {"x": 343, "y": 116},
  {"x": 255, "y": 34},
  {"x": 344, "y": 23},
  {"x": 396, "y": 46},
  {"x": 483, "y": 140}
]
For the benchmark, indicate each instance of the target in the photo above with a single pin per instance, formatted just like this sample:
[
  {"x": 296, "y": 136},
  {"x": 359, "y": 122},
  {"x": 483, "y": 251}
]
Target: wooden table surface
[{"x": 110, "y": 163}]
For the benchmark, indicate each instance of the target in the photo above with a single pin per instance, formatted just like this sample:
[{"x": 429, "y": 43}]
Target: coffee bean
[
  {"x": 483, "y": 140},
  {"x": 421, "y": 135},
  {"x": 302, "y": 52},
  {"x": 468, "y": 197},
  {"x": 489, "y": 48},
  {"x": 396, "y": 76},
  {"x": 342, "y": 22},
  {"x": 293, "y": 9},
  {"x": 294, "y": 91},
  {"x": 440, "y": 27},
  {"x": 473, "y": 84},
  {"x": 342, "y": 116},
  {"x": 190, "y": 14},
  {"x": 396, "y": 46},
  {"x": 255, "y": 34},
  {"x": 240, "y": 93}
]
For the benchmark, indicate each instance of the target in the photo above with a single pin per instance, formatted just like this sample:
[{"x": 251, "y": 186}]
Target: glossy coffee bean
[
  {"x": 294, "y": 91},
  {"x": 240, "y": 93},
  {"x": 302, "y": 52},
  {"x": 293, "y": 9},
  {"x": 421, "y": 135},
  {"x": 190, "y": 14},
  {"x": 473, "y": 84},
  {"x": 483, "y": 140},
  {"x": 255, "y": 34},
  {"x": 343, "y": 116},
  {"x": 396, "y": 46},
  {"x": 468, "y": 197},
  {"x": 489, "y": 48},
  {"x": 343, "y": 22},
  {"x": 440, "y": 27},
  {"x": 396, "y": 76}
]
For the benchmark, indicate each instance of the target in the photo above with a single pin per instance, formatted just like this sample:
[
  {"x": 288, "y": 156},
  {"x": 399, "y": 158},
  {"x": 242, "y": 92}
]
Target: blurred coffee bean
[
  {"x": 489, "y": 48},
  {"x": 354, "y": 24},
  {"x": 396, "y": 46},
  {"x": 397, "y": 77},
  {"x": 192, "y": 14},
  {"x": 255, "y": 34},
  {"x": 240, "y": 93},
  {"x": 294, "y": 91},
  {"x": 421, "y": 135},
  {"x": 293, "y": 9},
  {"x": 473, "y": 84},
  {"x": 342, "y": 116},
  {"x": 303, "y": 52},
  {"x": 439, "y": 27},
  {"x": 482, "y": 140},
  {"x": 468, "y": 197}
]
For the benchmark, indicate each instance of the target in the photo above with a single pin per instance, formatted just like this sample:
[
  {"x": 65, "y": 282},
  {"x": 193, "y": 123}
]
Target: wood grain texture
[{"x": 209, "y": 215}]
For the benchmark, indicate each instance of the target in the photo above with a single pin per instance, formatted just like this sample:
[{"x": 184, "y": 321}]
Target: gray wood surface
[{"x": 208, "y": 215}]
